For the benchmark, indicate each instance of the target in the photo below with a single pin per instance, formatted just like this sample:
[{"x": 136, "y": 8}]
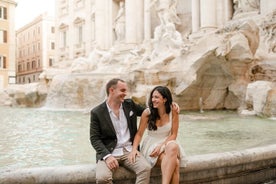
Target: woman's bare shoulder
[{"x": 146, "y": 112}]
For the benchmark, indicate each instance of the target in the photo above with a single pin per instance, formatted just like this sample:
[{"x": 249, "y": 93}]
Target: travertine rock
[
  {"x": 232, "y": 67},
  {"x": 256, "y": 95},
  {"x": 270, "y": 105}
]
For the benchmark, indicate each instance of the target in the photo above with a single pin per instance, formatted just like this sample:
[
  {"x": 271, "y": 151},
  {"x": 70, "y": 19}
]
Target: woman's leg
[
  {"x": 175, "y": 176},
  {"x": 169, "y": 164}
]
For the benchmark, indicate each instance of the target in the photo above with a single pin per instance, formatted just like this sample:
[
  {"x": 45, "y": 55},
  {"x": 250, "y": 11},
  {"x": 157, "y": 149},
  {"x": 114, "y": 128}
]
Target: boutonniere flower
[{"x": 130, "y": 113}]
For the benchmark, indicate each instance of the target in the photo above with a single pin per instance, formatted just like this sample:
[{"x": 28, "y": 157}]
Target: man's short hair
[{"x": 112, "y": 83}]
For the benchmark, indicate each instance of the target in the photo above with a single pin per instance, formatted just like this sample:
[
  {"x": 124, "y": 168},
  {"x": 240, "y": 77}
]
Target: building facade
[
  {"x": 83, "y": 25},
  {"x": 7, "y": 43},
  {"x": 35, "y": 48},
  {"x": 75, "y": 25}
]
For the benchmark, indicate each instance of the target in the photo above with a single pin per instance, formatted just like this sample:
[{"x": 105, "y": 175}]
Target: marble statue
[
  {"x": 166, "y": 11},
  {"x": 167, "y": 42},
  {"x": 243, "y": 6},
  {"x": 80, "y": 65},
  {"x": 119, "y": 23}
]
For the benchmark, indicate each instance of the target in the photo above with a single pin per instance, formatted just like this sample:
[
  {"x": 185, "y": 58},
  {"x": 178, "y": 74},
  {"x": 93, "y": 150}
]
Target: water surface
[{"x": 35, "y": 137}]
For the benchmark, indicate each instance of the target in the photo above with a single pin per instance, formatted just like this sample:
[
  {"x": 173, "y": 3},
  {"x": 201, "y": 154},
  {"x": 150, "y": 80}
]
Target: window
[
  {"x": 63, "y": 37},
  {"x": 28, "y": 66},
  {"x": 38, "y": 63},
  {"x": 52, "y": 45},
  {"x": 19, "y": 68},
  {"x": 50, "y": 61},
  {"x": 53, "y": 29},
  {"x": 33, "y": 64},
  {"x": 63, "y": 28},
  {"x": 79, "y": 24},
  {"x": 79, "y": 35},
  {"x": 3, "y": 63},
  {"x": 3, "y": 12},
  {"x": 3, "y": 36}
]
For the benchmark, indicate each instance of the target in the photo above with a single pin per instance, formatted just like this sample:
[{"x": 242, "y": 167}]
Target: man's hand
[{"x": 112, "y": 163}]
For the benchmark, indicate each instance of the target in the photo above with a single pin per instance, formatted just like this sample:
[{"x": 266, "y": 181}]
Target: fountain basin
[{"x": 255, "y": 165}]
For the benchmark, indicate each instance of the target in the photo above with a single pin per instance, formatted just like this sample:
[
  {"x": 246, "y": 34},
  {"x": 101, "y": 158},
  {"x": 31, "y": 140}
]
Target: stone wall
[{"x": 255, "y": 165}]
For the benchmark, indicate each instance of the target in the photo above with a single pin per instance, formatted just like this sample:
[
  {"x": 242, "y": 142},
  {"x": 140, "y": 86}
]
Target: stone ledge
[{"x": 248, "y": 166}]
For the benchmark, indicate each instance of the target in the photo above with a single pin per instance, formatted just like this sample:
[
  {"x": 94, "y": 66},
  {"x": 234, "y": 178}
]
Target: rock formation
[{"x": 232, "y": 67}]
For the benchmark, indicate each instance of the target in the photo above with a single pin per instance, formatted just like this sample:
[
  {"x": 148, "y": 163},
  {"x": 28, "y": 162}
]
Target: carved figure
[
  {"x": 79, "y": 65},
  {"x": 242, "y": 6},
  {"x": 119, "y": 23},
  {"x": 166, "y": 10},
  {"x": 167, "y": 41}
]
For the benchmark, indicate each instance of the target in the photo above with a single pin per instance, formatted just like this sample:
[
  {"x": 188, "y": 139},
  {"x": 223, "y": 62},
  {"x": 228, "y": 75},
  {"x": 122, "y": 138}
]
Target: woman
[{"x": 160, "y": 147}]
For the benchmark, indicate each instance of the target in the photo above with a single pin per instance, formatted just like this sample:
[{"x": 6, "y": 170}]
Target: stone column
[
  {"x": 208, "y": 13},
  {"x": 195, "y": 15},
  {"x": 103, "y": 24},
  {"x": 134, "y": 21},
  {"x": 229, "y": 9},
  {"x": 147, "y": 20},
  {"x": 224, "y": 12}
]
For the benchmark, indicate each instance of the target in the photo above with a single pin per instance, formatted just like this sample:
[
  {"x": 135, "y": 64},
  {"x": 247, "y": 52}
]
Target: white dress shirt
[{"x": 122, "y": 132}]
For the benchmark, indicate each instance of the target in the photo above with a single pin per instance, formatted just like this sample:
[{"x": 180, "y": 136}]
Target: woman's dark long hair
[{"x": 153, "y": 116}]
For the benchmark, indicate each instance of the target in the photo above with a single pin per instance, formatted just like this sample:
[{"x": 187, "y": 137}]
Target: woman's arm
[
  {"x": 175, "y": 125},
  {"x": 139, "y": 135}
]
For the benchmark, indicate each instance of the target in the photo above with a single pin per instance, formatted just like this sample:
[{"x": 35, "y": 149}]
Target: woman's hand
[
  {"x": 156, "y": 151},
  {"x": 132, "y": 156},
  {"x": 175, "y": 108},
  {"x": 112, "y": 163}
]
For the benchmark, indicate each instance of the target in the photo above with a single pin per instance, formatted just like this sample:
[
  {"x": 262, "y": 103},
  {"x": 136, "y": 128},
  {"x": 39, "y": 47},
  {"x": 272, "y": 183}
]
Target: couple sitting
[{"x": 114, "y": 135}]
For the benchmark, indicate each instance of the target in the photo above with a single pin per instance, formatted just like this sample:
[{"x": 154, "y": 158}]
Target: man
[{"x": 113, "y": 125}]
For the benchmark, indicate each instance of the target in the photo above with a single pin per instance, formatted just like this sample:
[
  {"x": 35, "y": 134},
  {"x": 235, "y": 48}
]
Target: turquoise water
[{"x": 36, "y": 137}]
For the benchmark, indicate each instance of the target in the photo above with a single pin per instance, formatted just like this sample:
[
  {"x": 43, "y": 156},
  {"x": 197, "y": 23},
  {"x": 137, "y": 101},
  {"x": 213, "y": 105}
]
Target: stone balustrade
[{"x": 255, "y": 165}]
